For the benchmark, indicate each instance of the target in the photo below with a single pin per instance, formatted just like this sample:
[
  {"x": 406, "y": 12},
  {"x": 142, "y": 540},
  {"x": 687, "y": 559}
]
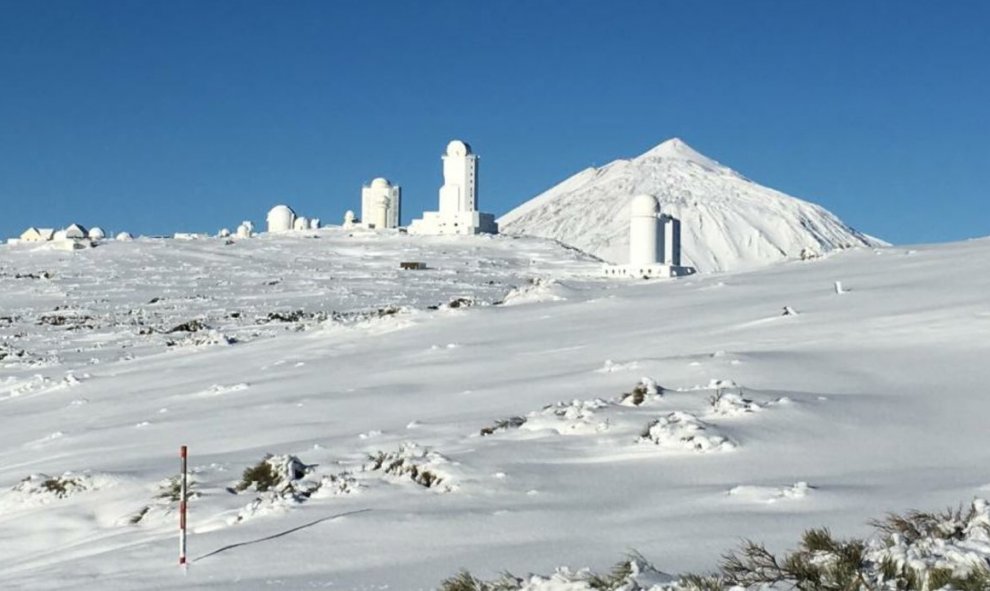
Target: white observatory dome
[
  {"x": 314, "y": 224},
  {"x": 281, "y": 218},
  {"x": 97, "y": 234},
  {"x": 301, "y": 223},
  {"x": 124, "y": 236},
  {"x": 381, "y": 183},
  {"x": 458, "y": 148},
  {"x": 644, "y": 205}
]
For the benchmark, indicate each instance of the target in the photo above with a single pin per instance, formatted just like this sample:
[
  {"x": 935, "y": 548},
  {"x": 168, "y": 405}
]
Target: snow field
[{"x": 822, "y": 408}]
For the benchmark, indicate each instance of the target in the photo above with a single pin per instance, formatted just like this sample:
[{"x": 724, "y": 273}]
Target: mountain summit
[{"x": 728, "y": 222}]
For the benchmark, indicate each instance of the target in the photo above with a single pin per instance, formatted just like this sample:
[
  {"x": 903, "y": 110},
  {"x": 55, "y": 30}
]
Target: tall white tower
[
  {"x": 381, "y": 204},
  {"x": 654, "y": 243},
  {"x": 460, "y": 179},
  {"x": 458, "y": 211},
  {"x": 643, "y": 234}
]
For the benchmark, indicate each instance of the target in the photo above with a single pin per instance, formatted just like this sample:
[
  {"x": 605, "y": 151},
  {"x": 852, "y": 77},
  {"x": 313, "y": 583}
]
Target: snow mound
[
  {"x": 770, "y": 494},
  {"x": 728, "y": 222},
  {"x": 732, "y": 404},
  {"x": 423, "y": 466},
  {"x": 280, "y": 481},
  {"x": 576, "y": 417},
  {"x": 682, "y": 431},
  {"x": 42, "y": 489},
  {"x": 537, "y": 290},
  {"x": 337, "y": 485}
]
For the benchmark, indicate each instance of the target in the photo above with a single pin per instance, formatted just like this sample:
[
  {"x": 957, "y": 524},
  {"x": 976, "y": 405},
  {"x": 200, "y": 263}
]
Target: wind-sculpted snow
[
  {"x": 510, "y": 437},
  {"x": 123, "y": 300},
  {"x": 728, "y": 222}
]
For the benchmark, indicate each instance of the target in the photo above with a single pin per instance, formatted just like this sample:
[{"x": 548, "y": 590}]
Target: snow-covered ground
[{"x": 575, "y": 420}]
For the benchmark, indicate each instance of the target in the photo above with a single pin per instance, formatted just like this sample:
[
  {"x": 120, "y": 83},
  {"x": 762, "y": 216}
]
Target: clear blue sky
[{"x": 161, "y": 116}]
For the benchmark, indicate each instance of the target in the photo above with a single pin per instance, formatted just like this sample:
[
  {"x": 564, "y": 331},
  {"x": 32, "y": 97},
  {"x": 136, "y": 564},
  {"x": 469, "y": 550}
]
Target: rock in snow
[{"x": 728, "y": 222}]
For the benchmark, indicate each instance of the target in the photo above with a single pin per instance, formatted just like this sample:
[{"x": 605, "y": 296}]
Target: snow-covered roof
[{"x": 458, "y": 148}]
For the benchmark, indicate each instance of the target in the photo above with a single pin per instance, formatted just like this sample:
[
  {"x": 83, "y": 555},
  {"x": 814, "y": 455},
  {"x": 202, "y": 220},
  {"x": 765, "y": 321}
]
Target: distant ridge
[{"x": 728, "y": 222}]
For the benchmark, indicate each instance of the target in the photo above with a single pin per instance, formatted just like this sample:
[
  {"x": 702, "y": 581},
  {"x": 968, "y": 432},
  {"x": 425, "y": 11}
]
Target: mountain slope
[{"x": 727, "y": 221}]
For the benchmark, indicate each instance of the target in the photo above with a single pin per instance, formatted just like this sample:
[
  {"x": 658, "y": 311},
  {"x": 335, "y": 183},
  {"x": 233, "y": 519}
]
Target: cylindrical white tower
[
  {"x": 459, "y": 192},
  {"x": 643, "y": 230}
]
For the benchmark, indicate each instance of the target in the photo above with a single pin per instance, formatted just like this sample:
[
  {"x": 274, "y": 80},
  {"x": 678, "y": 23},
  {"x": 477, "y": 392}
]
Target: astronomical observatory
[
  {"x": 381, "y": 204},
  {"x": 281, "y": 218},
  {"x": 458, "y": 209},
  {"x": 654, "y": 243}
]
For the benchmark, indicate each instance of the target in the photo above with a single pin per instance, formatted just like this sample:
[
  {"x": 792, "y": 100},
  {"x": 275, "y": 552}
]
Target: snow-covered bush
[
  {"x": 279, "y": 481},
  {"x": 503, "y": 425},
  {"x": 645, "y": 390},
  {"x": 730, "y": 404},
  {"x": 421, "y": 465},
  {"x": 948, "y": 551},
  {"x": 569, "y": 418},
  {"x": 282, "y": 474},
  {"x": 684, "y": 432}
]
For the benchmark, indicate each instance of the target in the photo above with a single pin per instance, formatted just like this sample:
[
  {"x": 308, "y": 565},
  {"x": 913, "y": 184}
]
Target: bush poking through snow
[
  {"x": 280, "y": 481},
  {"x": 947, "y": 551},
  {"x": 465, "y": 581},
  {"x": 684, "y": 431},
  {"x": 644, "y": 390},
  {"x": 190, "y": 326},
  {"x": 731, "y": 404},
  {"x": 166, "y": 499},
  {"x": 915, "y": 551},
  {"x": 280, "y": 474},
  {"x": 41, "y": 489},
  {"x": 63, "y": 486},
  {"x": 413, "y": 463},
  {"x": 631, "y": 574},
  {"x": 503, "y": 425}
]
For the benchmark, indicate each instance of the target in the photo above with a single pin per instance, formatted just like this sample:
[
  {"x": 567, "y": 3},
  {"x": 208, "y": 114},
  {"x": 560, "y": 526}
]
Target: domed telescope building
[
  {"x": 381, "y": 204},
  {"x": 281, "y": 218}
]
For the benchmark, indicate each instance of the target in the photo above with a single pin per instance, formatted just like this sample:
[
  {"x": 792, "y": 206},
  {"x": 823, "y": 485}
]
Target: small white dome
[
  {"x": 281, "y": 218},
  {"x": 381, "y": 183},
  {"x": 458, "y": 148},
  {"x": 314, "y": 224},
  {"x": 224, "y": 233},
  {"x": 124, "y": 236},
  {"x": 97, "y": 234},
  {"x": 301, "y": 223},
  {"x": 644, "y": 205}
]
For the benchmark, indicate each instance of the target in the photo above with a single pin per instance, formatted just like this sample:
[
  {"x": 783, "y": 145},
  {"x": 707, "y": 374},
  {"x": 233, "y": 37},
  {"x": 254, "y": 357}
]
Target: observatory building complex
[
  {"x": 458, "y": 212},
  {"x": 654, "y": 243}
]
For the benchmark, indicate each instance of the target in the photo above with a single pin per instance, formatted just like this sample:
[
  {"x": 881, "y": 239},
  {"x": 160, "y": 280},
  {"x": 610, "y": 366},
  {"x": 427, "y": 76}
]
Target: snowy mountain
[{"x": 728, "y": 222}]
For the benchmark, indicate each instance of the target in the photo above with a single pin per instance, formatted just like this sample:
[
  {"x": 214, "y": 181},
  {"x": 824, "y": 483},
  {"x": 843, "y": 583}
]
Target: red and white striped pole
[{"x": 183, "y": 495}]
